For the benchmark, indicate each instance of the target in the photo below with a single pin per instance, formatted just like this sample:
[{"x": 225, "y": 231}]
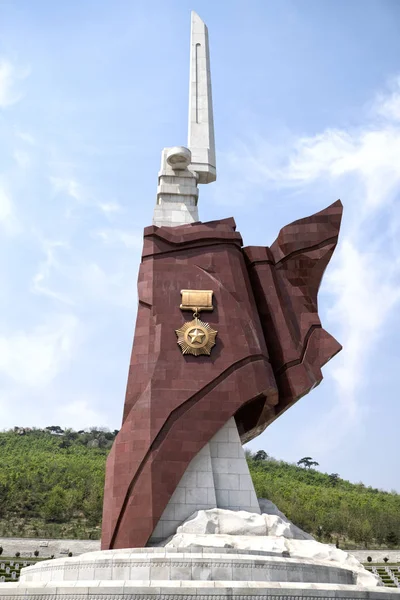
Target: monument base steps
[{"x": 216, "y": 554}]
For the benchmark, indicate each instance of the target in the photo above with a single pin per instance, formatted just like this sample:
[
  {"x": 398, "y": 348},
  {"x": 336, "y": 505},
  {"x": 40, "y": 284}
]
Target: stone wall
[{"x": 47, "y": 547}]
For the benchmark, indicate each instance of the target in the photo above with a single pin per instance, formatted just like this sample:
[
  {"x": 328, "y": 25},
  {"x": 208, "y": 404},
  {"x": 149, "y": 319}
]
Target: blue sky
[{"x": 307, "y": 110}]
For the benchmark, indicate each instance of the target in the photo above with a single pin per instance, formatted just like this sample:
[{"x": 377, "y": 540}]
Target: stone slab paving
[{"x": 193, "y": 590}]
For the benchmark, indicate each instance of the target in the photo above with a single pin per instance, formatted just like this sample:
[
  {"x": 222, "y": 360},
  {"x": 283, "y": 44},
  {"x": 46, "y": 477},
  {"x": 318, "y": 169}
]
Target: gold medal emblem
[{"x": 196, "y": 337}]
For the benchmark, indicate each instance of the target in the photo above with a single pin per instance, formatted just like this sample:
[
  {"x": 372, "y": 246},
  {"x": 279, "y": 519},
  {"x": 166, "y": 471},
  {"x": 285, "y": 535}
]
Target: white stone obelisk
[
  {"x": 201, "y": 120},
  {"x": 218, "y": 477},
  {"x": 183, "y": 168}
]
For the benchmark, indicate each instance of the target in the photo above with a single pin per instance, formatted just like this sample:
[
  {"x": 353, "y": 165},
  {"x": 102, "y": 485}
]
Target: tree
[
  {"x": 55, "y": 508},
  {"x": 307, "y": 462},
  {"x": 260, "y": 455},
  {"x": 55, "y": 429},
  {"x": 333, "y": 479},
  {"x": 70, "y": 434},
  {"x": 392, "y": 538},
  {"x": 65, "y": 443},
  {"x": 366, "y": 533},
  {"x": 93, "y": 506}
]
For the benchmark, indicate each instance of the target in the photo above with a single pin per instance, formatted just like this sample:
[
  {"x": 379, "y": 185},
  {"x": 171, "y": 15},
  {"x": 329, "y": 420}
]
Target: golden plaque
[
  {"x": 197, "y": 300},
  {"x": 196, "y": 337}
]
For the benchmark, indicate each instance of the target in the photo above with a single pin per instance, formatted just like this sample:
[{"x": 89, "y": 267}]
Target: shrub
[
  {"x": 1, "y": 550},
  {"x": 369, "y": 558},
  {"x": 260, "y": 455},
  {"x": 17, "y": 554},
  {"x": 392, "y": 538},
  {"x": 69, "y": 553},
  {"x": 385, "y": 559},
  {"x": 36, "y": 553}
]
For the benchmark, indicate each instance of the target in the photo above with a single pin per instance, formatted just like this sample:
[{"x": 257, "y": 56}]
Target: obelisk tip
[{"x": 201, "y": 123}]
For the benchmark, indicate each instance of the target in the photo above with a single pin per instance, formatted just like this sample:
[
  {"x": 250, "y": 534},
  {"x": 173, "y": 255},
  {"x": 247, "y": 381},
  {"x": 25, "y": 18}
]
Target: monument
[
  {"x": 261, "y": 308},
  {"x": 227, "y": 338}
]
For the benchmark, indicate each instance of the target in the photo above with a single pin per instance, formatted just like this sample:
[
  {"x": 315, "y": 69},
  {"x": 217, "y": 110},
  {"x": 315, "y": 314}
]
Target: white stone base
[
  {"x": 209, "y": 558},
  {"x": 195, "y": 574},
  {"x": 195, "y": 564},
  {"x": 190, "y": 590}
]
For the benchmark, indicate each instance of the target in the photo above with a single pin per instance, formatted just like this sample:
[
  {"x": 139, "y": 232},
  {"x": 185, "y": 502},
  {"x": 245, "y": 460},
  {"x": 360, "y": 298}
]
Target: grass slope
[
  {"x": 329, "y": 507},
  {"x": 52, "y": 485}
]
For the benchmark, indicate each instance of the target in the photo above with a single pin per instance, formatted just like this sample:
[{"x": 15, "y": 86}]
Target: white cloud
[
  {"x": 73, "y": 279},
  {"x": 117, "y": 237},
  {"x": 5, "y": 205},
  {"x": 22, "y": 159},
  {"x": 371, "y": 155},
  {"x": 79, "y": 414},
  {"x": 109, "y": 207},
  {"x": 26, "y": 137},
  {"x": 388, "y": 105},
  {"x": 116, "y": 287},
  {"x": 9, "y": 76},
  {"x": 41, "y": 279},
  {"x": 363, "y": 289},
  {"x": 8, "y": 219},
  {"x": 84, "y": 195},
  {"x": 36, "y": 357},
  {"x": 68, "y": 186},
  {"x": 364, "y": 294}
]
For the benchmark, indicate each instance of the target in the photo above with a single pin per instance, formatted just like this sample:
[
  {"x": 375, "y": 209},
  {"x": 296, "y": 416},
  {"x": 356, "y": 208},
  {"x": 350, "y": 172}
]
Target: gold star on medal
[{"x": 196, "y": 337}]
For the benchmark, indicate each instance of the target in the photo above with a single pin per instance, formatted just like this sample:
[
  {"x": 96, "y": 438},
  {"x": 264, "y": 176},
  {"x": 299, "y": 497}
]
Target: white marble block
[
  {"x": 234, "y": 487},
  {"x": 195, "y": 489},
  {"x": 217, "y": 477}
]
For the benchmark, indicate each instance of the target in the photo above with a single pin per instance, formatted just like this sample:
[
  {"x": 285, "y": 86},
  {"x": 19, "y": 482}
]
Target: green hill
[
  {"x": 51, "y": 482},
  {"x": 329, "y": 507},
  {"x": 51, "y": 485}
]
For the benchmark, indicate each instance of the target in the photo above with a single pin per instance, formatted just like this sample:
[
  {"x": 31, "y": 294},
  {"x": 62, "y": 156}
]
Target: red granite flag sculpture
[{"x": 254, "y": 346}]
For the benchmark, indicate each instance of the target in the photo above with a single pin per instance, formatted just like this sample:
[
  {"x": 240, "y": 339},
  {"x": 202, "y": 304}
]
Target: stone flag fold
[{"x": 269, "y": 352}]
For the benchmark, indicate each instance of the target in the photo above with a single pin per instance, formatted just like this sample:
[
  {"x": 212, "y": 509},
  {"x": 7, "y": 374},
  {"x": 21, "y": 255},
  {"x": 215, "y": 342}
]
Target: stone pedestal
[
  {"x": 216, "y": 554},
  {"x": 190, "y": 573}
]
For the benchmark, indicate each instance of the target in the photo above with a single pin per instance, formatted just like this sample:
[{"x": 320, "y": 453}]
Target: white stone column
[
  {"x": 234, "y": 489},
  {"x": 217, "y": 477}
]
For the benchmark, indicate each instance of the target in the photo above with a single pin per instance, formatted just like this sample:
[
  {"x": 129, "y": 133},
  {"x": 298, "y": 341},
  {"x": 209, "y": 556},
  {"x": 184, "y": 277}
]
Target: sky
[{"x": 307, "y": 110}]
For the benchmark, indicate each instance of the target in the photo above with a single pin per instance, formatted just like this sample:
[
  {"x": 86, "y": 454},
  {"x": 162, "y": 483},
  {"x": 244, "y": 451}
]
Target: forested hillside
[
  {"x": 332, "y": 509},
  {"x": 51, "y": 485},
  {"x": 51, "y": 482}
]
